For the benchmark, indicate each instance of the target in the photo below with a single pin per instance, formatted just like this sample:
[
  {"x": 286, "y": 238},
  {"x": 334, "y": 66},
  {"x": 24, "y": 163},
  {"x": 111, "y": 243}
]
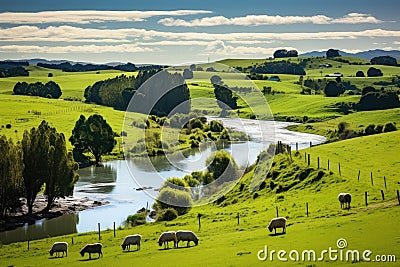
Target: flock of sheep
[
  {"x": 175, "y": 237},
  {"x": 97, "y": 248}
]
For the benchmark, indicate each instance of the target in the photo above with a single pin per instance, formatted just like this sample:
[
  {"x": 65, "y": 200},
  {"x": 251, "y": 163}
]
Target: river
[{"x": 117, "y": 181}]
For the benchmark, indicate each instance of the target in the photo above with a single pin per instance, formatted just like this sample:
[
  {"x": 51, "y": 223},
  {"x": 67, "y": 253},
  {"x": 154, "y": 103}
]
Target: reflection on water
[
  {"x": 118, "y": 180},
  {"x": 63, "y": 225}
]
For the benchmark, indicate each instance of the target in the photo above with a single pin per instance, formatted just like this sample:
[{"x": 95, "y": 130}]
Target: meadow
[{"x": 224, "y": 241}]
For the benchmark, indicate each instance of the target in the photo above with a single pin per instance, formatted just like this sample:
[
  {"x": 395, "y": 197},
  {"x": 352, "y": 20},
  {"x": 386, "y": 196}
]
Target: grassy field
[
  {"x": 72, "y": 84},
  {"x": 224, "y": 242}
]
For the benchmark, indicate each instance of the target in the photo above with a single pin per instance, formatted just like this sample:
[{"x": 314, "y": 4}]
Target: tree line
[
  {"x": 48, "y": 90},
  {"x": 78, "y": 67},
  {"x": 166, "y": 92},
  {"x": 39, "y": 160},
  {"x": 13, "y": 69}
]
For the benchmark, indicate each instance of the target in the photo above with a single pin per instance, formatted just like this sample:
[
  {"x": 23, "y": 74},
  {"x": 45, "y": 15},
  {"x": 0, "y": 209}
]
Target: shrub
[
  {"x": 389, "y": 127},
  {"x": 136, "y": 219},
  {"x": 168, "y": 214},
  {"x": 360, "y": 73},
  {"x": 374, "y": 72},
  {"x": 8, "y": 126},
  {"x": 180, "y": 200},
  {"x": 370, "y": 129}
]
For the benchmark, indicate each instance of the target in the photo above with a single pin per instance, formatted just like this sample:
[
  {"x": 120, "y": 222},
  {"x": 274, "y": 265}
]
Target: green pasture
[
  {"x": 224, "y": 242},
  {"x": 72, "y": 84}
]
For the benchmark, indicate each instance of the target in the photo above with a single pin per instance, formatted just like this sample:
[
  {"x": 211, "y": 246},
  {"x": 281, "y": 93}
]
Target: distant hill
[{"x": 364, "y": 54}]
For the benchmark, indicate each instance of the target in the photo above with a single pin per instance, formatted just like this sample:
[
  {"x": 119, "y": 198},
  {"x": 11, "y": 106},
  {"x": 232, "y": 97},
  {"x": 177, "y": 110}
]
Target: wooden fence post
[
  {"x": 72, "y": 240},
  {"x": 297, "y": 146},
  {"x": 28, "y": 244},
  {"x": 277, "y": 212},
  {"x": 384, "y": 180},
  {"x": 305, "y": 157},
  {"x": 307, "y": 208},
  {"x": 340, "y": 172},
  {"x": 383, "y": 195},
  {"x": 308, "y": 160},
  {"x": 398, "y": 196},
  {"x": 328, "y": 164},
  {"x": 114, "y": 229},
  {"x": 366, "y": 198},
  {"x": 372, "y": 180},
  {"x": 98, "y": 225},
  {"x": 318, "y": 162},
  {"x": 358, "y": 177},
  {"x": 198, "y": 217},
  {"x": 238, "y": 218},
  {"x": 310, "y": 144}
]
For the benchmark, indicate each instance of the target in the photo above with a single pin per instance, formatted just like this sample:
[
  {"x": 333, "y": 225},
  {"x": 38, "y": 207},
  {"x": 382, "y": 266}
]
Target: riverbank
[{"x": 61, "y": 206}]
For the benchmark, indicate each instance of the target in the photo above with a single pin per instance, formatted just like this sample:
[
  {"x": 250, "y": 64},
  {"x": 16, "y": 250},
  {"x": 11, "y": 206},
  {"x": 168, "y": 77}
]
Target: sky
[{"x": 180, "y": 32}]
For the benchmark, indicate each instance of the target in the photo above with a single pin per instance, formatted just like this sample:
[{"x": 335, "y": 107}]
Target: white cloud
[
  {"x": 256, "y": 20},
  {"x": 77, "y": 34},
  {"x": 88, "y": 16},
  {"x": 96, "y": 49}
]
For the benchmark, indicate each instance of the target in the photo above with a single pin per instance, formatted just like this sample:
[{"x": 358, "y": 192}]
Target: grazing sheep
[
  {"x": 186, "y": 236},
  {"x": 59, "y": 247},
  {"x": 345, "y": 200},
  {"x": 92, "y": 248},
  {"x": 279, "y": 222},
  {"x": 131, "y": 240},
  {"x": 167, "y": 237}
]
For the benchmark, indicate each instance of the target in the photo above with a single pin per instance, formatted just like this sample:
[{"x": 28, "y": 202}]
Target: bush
[
  {"x": 136, "y": 219},
  {"x": 360, "y": 74},
  {"x": 8, "y": 126},
  {"x": 168, "y": 214},
  {"x": 179, "y": 200},
  {"x": 370, "y": 129},
  {"x": 389, "y": 127},
  {"x": 374, "y": 72}
]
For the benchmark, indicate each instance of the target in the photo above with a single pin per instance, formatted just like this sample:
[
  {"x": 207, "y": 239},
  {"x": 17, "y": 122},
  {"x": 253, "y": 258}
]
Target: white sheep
[
  {"x": 131, "y": 240},
  {"x": 92, "y": 248},
  {"x": 186, "y": 236},
  {"x": 345, "y": 200},
  {"x": 279, "y": 222},
  {"x": 59, "y": 247},
  {"x": 167, "y": 237}
]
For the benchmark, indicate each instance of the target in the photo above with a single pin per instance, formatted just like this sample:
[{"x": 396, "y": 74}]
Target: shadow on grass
[
  {"x": 277, "y": 234},
  {"x": 92, "y": 259},
  {"x": 54, "y": 258},
  {"x": 129, "y": 251}
]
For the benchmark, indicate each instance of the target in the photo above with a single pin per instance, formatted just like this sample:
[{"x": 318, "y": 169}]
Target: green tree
[
  {"x": 179, "y": 200},
  {"x": 62, "y": 175},
  {"x": 333, "y": 89},
  {"x": 222, "y": 165},
  {"x": 93, "y": 135},
  {"x": 11, "y": 181},
  {"x": 35, "y": 148}
]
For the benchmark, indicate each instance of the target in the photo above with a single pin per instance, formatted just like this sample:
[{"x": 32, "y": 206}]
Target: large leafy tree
[
  {"x": 62, "y": 175},
  {"x": 93, "y": 135},
  {"x": 47, "y": 162},
  {"x": 11, "y": 182},
  {"x": 35, "y": 151}
]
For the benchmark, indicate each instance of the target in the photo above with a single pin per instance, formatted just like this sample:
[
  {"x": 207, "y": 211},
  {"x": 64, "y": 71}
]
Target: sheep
[
  {"x": 131, "y": 240},
  {"x": 279, "y": 222},
  {"x": 345, "y": 200},
  {"x": 59, "y": 247},
  {"x": 167, "y": 237},
  {"x": 186, "y": 236},
  {"x": 92, "y": 248}
]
